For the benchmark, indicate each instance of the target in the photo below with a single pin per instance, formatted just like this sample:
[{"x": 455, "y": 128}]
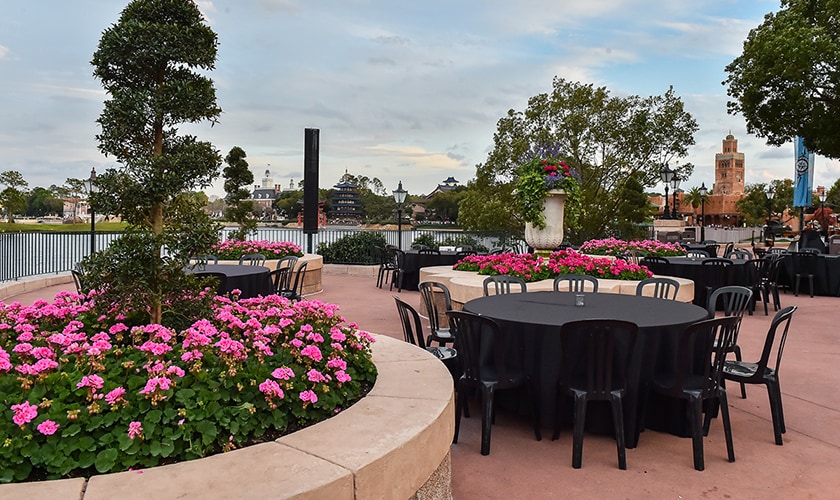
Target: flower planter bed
[{"x": 394, "y": 443}]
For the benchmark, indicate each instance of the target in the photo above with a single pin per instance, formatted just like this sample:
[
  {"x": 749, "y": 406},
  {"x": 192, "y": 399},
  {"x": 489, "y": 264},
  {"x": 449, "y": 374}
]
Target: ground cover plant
[
  {"x": 84, "y": 392},
  {"x": 532, "y": 267},
  {"x": 233, "y": 249},
  {"x": 616, "y": 247}
]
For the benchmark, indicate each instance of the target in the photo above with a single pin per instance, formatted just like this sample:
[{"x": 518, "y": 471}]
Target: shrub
[
  {"x": 612, "y": 246},
  {"x": 362, "y": 247},
  {"x": 426, "y": 239},
  {"x": 85, "y": 393}
]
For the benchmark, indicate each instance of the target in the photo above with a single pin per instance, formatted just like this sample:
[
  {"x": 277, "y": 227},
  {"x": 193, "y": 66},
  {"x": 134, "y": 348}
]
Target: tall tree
[
  {"x": 13, "y": 196},
  {"x": 756, "y": 207},
  {"x": 237, "y": 179},
  {"x": 785, "y": 83},
  {"x": 146, "y": 63},
  {"x": 607, "y": 139}
]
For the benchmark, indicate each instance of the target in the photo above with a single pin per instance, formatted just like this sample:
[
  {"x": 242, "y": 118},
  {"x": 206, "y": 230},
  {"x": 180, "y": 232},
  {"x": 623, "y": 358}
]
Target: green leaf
[
  {"x": 71, "y": 430},
  {"x": 105, "y": 460}
]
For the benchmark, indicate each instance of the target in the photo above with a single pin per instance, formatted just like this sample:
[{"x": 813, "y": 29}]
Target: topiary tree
[
  {"x": 146, "y": 63},
  {"x": 237, "y": 177}
]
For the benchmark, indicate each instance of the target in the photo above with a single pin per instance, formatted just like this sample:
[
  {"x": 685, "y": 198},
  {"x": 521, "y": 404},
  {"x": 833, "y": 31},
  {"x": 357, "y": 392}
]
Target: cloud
[{"x": 4, "y": 52}]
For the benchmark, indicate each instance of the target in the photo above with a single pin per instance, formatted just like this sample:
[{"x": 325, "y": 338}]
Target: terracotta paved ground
[{"x": 661, "y": 466}]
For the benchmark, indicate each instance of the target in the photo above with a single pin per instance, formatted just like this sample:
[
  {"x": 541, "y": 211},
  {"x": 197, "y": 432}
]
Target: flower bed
[
  {"x": 84, "y": 393},
  {"x": 233, "y": 250},
  {"x": 531, "y": 267},
  {"x": 613, "y": 246}
]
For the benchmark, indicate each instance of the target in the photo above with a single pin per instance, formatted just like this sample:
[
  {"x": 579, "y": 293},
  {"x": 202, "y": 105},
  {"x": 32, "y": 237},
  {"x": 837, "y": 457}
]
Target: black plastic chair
[
  {"x": 203, "y": 260},
  {"x": 289, "y": 261},
  {"x": 663, "y": 288},
  {"x": 697, "y": 253},
  {"x": 596, "y": 355},
  {"x": 434, "y": 296},
  {"x": 698, "y": 378},
  {"x": 487, "y": 367},
  {"x": 413, "y": 334},
  {"x": 387, "y": 264},
  {"x": 738, "y": 253},
  {"x": 502, "y": 284},
  {"x": 804, "y": 265},
  {"x": 758, "y": 272},
  {"x": 79, "y": 281},
  {"x": 295, "y": 290},
  {"x": 576, "y": 283},
  {"x": 759, "y": 373},
  {"x": 398, "y": 273},
  {"x": 715, "y": 273},
  {"x": 252, "y": 259},
  {"x": 656, "y": 264},
  {"x": 734, "y": 300},
  {"x": 729, "y": 247}
]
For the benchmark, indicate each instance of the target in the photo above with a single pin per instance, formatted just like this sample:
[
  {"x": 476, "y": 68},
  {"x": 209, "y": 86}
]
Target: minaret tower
[{"x": 729, "y": 168}]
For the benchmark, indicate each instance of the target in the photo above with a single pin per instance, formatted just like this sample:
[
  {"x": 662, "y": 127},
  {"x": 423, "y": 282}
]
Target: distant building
[
  {"x": 448, "y": 185},
  {"x": 265, "y": 194},
  {"x": 346, "y": 205}
]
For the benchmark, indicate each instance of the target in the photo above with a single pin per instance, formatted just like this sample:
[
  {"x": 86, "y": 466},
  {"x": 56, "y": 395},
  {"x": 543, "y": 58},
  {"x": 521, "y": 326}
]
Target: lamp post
[
  {"x": 399, "y": 197},
  {"x": 703, "y": 192},
  {"x": 91, "y": 185},
  {"x": 675, "y": 183},
  {"x": 823, "y": 221},
  {"x": 666, "y": 174},
  {"x": 768, "y": 191}
]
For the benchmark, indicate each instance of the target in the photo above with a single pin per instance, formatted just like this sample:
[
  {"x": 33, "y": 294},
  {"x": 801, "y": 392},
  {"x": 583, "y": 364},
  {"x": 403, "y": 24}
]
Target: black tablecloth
[
  {"x": 826, "y": 279},
  {"x": 253, "y": 281},
  {"x": 712, "y": 250},
  {"x": 414, "y": 260},
  {"x": 531, "y": 325},
  {"x": 692, "y": 269}
]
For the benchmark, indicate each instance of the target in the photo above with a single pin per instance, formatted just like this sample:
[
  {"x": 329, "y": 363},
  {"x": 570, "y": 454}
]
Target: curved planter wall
[{"x": 394, "y": 443}]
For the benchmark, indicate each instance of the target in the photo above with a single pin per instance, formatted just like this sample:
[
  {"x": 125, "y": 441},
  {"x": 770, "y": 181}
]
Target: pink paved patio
[{"x": 661, "y": 466}]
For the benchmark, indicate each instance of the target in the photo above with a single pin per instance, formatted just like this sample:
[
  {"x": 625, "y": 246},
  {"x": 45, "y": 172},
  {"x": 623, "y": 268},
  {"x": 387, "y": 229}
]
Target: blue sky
[{"x": 401, "y": 90}]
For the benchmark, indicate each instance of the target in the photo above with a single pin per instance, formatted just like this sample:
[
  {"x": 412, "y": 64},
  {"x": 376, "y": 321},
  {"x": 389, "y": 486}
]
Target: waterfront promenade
[{"x": 661, "y": 466}]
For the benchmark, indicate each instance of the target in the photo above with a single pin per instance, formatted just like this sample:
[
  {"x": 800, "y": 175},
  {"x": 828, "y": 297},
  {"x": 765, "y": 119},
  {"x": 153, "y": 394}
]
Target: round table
[
  {"x": 685, "y": 267},
  {"x": 252, "y": 281},
  {"x": 530, "y": 323}
]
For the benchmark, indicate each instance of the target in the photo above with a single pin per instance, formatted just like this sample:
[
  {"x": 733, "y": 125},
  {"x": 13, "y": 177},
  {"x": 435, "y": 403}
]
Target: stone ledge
[
  {"x": 393, "y": 443},
  {"x": 12, "y": 288}
]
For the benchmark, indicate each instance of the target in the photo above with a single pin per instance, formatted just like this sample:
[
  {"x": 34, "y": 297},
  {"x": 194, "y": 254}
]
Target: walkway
[{"x": 661, "y": 466}]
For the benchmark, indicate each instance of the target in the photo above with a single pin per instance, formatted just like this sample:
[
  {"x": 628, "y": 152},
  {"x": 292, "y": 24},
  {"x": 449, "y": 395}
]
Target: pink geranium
[
  {"x": 47, "y": 427},
  {"x": 24, "y": 413},
  {"x": 135, "y": 429}
]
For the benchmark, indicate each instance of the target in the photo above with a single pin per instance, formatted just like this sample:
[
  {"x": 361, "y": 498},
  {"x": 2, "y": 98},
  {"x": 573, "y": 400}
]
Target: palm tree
[{"x": 695, "y": 198}]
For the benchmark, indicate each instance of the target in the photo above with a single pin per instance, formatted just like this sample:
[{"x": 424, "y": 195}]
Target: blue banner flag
[{"x": 804, "y": 180}]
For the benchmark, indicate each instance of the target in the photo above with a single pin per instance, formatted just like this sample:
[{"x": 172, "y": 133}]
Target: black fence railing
[{"x": 27, "y": 254}]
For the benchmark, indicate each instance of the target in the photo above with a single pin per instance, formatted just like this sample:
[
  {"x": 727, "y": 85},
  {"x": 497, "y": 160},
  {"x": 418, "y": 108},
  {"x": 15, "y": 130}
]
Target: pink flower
[
  {"x": 308, "y": 396},
  {"x": 47, "y": 427},
  {"x": 283, "y": 373},
  {"x": 342, "y": 377},
  {"x": 314, "y": 375},
  {"x": 271, "y": 389},
  {"x": 92, "y": 381},
  {"x": 312, "y": 352},
  {"x": 115, "y": 395},
  {"x": 135, "y": 429},
  {"x": 24, "y": 413}
]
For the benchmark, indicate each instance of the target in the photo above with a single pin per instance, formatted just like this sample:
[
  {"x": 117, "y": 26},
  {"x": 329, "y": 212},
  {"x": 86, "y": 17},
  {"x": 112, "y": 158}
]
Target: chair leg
[
  {"x": 811, "y": 284},
  {"x": 695, "y": 417},
  {"x": 727, "y": 425},
  {"x": 618, "y": 421},
  {"x": 486, "y": 418},
  {"x": 796, "y": 286},
  {"x": 737, "y": 350},
  {"x": 580, "y": 419},
  {"x": 460, "y": 403},
  {"x": 775, "y": 412}
]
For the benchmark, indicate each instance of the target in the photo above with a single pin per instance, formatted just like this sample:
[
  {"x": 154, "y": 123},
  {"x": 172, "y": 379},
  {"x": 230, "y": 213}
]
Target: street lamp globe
[{"x": 666, "y": 174}]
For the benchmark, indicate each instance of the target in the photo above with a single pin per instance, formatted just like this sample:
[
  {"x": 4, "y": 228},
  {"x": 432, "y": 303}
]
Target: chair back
[
  {"x": 419, "y": 246},
  {"x": 79, "y": 281},
  {"x": 733, "y": 298},
  {"x": 289, "y": 261},
  {"x": 715, "y": 272},
  {"x": 634, "y": 256},
  {"x": 738, "y": 253},
  {"x": 221, "y": 279},
  {"x": 202, "y": 260},
  {"x": 728, "y": 248},
  {"x": 502, "y": 284},
  {"x": 575, "y": 283},
  {"x": 759, "y": 252},
  {"x": 775, "y": 341},
  {"x": 464, "y": 253},
  {"x": 252, "y": 259},
  {"x": 428, "y": 251},
  {"x": 701, "y": 353},
  {"x": 280, "y": 279},
  {"x": 663, "y": 288},
  {"x": 411, "y": 325},
  {"x": 480, "y": 346},
  {"x": 656, "y": 264},
  {"x": 697, "y": 253},
  {"x": 805, "y": 263},
  {"x": 437, "y": 300},
  {"x": 778, "y": 250},
  {"x": 596, "y": 355},
  {"x": 295, "y": 292}
]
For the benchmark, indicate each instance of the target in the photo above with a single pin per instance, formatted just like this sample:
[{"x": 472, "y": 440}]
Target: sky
[{"x": 406, "y": 91}]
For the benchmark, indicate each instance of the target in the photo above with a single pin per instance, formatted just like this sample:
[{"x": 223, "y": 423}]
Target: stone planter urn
[{"x": 546, "y": 240}]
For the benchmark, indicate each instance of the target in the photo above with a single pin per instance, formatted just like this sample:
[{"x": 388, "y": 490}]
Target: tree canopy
[
  {"x": 607, "y": 139},
  {"x": 237, "y": 179},
  {"x": 146, "y": 63},
  {"x": 13, "y": 196},
  {"x": 754, "y": 206},
  {"x": 785, "y": 81}
]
